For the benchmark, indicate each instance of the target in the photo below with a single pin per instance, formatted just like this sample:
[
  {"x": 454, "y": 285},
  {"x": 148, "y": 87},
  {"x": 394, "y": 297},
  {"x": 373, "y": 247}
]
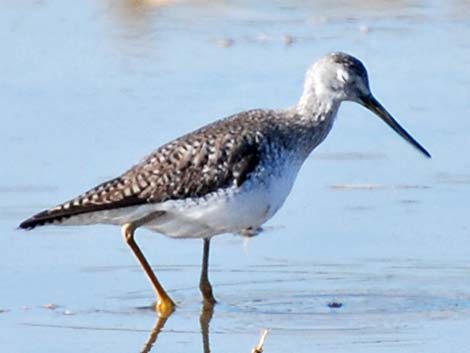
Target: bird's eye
[{"x": 342, "y": 75}]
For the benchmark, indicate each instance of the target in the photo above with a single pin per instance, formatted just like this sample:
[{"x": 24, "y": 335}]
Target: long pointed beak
[{"x": 373, "y": 105}]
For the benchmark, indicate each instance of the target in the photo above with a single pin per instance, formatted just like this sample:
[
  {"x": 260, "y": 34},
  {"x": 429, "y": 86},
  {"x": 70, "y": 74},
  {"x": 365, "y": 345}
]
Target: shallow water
[{"x": 88, "y": 88}]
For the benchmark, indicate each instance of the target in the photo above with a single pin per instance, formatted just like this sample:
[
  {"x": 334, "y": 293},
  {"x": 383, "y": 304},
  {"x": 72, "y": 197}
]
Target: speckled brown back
[{"x": 216, "y": 156}]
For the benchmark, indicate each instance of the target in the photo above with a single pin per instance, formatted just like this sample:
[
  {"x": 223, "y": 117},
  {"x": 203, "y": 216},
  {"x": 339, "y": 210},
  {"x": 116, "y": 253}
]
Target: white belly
[{"x": 229, "y": 211}]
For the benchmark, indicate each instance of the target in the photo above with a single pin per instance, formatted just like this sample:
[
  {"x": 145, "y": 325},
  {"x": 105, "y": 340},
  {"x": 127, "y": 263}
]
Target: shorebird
[{"x": 230, "y": 176}]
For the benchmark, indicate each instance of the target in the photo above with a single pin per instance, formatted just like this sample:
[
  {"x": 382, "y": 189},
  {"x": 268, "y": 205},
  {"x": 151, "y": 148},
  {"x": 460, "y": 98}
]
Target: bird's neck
[
  {"x": 315, "y": 116},
  {"x": 315, "y": 106}
]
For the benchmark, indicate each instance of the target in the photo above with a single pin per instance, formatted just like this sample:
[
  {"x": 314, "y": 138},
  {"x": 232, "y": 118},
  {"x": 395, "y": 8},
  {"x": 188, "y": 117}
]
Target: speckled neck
[{"x": 304, "y": 131}]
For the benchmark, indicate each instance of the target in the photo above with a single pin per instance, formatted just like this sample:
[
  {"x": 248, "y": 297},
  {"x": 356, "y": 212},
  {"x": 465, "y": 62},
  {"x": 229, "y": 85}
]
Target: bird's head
[{"x": 339, "y": 77}]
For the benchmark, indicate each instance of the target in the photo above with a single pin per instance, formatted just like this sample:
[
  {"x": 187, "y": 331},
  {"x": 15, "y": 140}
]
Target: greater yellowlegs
[{"x": 230, "y": 176}]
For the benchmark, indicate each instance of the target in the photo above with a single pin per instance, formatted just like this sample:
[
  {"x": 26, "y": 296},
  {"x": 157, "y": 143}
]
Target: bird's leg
[
  {"x": 165, "y": 306},
  {"x": 204, "y": 284}
]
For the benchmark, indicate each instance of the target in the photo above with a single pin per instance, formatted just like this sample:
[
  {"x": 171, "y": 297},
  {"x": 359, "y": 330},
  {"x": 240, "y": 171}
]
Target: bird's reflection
[
  {"x": 154, "y": 334},
  {"x": 204, "y": 320},
  {"x": 205, "y": 317}
]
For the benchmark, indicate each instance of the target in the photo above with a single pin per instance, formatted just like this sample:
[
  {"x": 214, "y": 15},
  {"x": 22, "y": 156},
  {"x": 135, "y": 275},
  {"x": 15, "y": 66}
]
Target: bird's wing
[
  {"x": 198, "y": 165},
  {"x": 214, "y": 157}
]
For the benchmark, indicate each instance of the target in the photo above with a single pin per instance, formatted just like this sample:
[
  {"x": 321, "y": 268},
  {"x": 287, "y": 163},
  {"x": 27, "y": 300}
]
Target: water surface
[{"x": 88, "y": 88}]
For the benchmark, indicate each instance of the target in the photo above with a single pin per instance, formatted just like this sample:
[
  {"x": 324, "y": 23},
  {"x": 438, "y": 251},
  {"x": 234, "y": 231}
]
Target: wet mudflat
[{"x": 370, "y": 252}]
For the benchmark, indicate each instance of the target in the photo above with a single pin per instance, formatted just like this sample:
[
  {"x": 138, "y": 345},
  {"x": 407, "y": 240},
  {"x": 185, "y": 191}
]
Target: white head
[{"x": 339, "y": 77}]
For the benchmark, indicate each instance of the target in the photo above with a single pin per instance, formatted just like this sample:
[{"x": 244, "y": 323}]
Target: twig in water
[{"x": 259, "y": 347}]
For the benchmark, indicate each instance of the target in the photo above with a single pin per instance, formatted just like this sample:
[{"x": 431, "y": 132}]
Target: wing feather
[{"x": 217, "y": 156}]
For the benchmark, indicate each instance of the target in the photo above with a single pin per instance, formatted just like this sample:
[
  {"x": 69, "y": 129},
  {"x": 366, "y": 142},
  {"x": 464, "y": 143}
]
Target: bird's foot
[{"x": 165, "y": 307}]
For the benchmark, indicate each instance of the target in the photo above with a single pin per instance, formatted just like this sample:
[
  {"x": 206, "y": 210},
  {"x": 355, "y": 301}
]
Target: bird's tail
[{"x": 108, "y": 195}]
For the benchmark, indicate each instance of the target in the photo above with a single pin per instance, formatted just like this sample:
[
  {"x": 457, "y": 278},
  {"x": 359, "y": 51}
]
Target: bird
[{"x": 230, "y": 176}]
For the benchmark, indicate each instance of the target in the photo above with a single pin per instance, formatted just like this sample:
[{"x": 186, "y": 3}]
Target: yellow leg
[
  {"x": 204, "y": 284},
  {"x": 165, "y": 306}
]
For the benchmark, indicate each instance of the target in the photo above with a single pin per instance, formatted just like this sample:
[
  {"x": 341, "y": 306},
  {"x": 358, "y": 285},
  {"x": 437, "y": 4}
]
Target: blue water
[{"x": 89, "y": 88}]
